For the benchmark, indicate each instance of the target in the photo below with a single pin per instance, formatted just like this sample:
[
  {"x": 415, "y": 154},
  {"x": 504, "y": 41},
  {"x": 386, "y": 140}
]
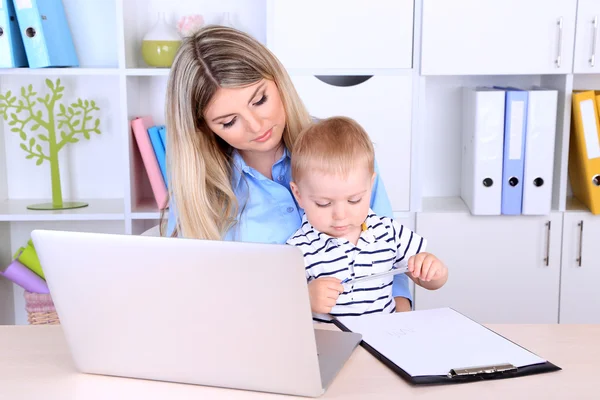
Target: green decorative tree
[{"x": 26, "y": 119}]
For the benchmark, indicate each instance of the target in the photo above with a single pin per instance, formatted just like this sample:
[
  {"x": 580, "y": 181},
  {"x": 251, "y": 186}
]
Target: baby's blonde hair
[
  {"x": 199, "y": 163},
  {"x": 334, "y": 145}
]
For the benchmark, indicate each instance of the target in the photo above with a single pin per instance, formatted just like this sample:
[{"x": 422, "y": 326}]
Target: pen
[{"x": 392, "y": 272}]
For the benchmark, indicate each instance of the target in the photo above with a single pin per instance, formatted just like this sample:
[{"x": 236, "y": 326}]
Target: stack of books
[{"x": 151, "y": 142}]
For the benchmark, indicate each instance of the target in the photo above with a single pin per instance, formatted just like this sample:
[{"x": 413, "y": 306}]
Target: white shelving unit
[
  {"x": 514, "y": 269},
  {"x": 397, "y": 66}
]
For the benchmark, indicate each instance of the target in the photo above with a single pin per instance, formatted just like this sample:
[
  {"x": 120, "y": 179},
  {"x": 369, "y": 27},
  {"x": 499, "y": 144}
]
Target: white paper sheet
[{"x": 432, "y": 342}]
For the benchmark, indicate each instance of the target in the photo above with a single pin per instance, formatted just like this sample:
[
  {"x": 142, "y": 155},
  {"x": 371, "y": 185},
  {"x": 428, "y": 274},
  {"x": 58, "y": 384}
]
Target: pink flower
[{"x": 188, "y": 24}]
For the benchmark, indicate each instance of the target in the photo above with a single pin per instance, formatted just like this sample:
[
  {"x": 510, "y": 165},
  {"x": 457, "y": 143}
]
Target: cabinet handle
[
  {"x": 580, "y": 225},
  {"x": 594, "y": 34},
  {"x": 547, "y": 258},
  {"x": 558, "y": 60}
]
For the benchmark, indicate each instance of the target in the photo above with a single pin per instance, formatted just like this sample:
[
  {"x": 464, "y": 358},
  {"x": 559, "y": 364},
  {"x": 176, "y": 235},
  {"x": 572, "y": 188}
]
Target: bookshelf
[{"x": 407, "y": 58}]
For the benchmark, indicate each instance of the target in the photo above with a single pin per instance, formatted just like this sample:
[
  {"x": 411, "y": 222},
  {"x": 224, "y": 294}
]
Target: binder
[
  {"x": 515, "y": 125},
  {"x": 162, "y": 130},
  {"x": 140, "y": 127},
  {"x": 538, "y": 171},
  {"x": 482, "y": 150},
  {"x": 442, "y": 346},
  {"x": 12, "y": 51},
  {"x": 46, "y": 34},
  {"x": 584, "y": 150},
  {"x": 159, "y": 151}
]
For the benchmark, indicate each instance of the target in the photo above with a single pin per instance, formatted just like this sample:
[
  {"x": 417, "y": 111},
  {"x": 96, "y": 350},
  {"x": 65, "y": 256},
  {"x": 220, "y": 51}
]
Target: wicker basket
[{"x": 40, "y": 309}]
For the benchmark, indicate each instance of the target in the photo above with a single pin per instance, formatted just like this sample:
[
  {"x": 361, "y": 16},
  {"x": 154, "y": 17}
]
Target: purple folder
[{"x": 24, "y": 277}]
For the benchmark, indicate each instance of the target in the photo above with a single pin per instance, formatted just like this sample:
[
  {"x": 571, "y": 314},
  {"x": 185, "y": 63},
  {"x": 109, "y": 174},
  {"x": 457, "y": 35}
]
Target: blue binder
[
  {"x": 159, "y": 151},
  {"x": 46, "y": 34},
  {"x": 12, "y": 51},
  {"x": 162, "y": 130},
  {"x": 515, "y": 125}
]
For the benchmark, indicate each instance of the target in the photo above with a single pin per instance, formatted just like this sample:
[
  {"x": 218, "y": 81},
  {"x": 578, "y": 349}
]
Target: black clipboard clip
[{"x": 489, "y": 369}]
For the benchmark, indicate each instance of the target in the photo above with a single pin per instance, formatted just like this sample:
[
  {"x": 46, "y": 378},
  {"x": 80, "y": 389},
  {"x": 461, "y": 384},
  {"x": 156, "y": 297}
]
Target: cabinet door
[
  {"x": 341, "y": 33},
  {"x": 382, "y": 105},
  {"x": 502, "y": 269},
  {"x": 587, "y": 37},
  {"x": 579, "y": 293},
  {"x": 469, "y": 37}
]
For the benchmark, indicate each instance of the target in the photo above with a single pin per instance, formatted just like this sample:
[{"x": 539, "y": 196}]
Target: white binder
[
  {"x": 482, "y": 149},
  {"x": 539, "y": 151}
]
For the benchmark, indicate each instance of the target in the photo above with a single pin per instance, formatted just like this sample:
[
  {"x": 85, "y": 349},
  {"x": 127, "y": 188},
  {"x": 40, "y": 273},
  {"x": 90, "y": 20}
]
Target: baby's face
[{"x": 334, "y": 205}]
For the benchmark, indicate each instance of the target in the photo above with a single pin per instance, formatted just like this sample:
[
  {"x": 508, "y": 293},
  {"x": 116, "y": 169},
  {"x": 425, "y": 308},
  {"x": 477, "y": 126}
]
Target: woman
[{"x": 232, "y": 119}]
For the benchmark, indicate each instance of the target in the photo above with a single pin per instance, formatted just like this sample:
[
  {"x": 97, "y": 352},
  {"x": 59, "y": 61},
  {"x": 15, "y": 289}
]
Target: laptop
[{"x": 215, "y": 313}]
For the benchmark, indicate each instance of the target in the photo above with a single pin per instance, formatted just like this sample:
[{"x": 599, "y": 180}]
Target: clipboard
[{"x": 452, "y": 332}]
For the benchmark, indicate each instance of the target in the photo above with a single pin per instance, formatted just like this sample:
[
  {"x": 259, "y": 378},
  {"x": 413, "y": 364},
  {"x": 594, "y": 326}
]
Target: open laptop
[{"x": 226, "y": 314}]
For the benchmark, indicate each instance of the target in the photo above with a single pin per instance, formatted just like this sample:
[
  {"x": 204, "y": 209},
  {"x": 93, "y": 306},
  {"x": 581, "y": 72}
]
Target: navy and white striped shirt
[{"x": 383, "y": 245}]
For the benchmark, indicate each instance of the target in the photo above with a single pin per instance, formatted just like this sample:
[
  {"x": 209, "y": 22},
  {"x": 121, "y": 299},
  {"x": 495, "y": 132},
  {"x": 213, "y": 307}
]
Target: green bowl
[{"x": 160, "y": 53}]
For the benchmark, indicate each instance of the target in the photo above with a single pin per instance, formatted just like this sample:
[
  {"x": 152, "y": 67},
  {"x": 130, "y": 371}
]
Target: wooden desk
[{"x": 35, "y": 364}]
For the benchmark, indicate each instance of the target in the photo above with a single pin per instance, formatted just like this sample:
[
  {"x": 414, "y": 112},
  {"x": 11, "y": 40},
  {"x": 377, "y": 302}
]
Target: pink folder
[{"x": 140, "y": 127}]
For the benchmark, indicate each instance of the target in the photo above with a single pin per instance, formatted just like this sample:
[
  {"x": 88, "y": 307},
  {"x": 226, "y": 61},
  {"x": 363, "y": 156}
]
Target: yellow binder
[{"x": 584, "y": 149}]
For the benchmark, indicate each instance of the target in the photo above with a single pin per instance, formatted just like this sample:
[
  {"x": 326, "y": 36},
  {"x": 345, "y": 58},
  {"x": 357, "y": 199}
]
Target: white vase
[{"x": 160, "y": 44}]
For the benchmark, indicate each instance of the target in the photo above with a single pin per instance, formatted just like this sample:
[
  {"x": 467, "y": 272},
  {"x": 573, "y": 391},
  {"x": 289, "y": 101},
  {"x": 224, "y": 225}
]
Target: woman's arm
[
  {"x": 380, "y": 204},
  {"x": 171, "y": 220}
]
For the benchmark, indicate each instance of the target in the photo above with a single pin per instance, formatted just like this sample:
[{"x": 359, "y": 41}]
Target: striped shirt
[{"x": 383, "y": 245}]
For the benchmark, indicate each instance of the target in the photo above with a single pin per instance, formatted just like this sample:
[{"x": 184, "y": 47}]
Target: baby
[{"x": 341, "y": 238}]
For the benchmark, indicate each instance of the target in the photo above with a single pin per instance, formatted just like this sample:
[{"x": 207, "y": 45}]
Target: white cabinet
[
  {"x": 579, "y": 293},
  {"x": 502, "y": 269},
  {"x": 383, "y": 106},
  {"x": 341, "y": 33},
  {"x": 472, "y": 37},
  {"x": 587, "y": 38}
]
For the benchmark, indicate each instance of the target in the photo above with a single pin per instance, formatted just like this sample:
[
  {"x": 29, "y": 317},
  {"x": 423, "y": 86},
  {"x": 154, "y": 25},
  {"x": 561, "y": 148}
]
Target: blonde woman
[{"x": 232, "y": 117}]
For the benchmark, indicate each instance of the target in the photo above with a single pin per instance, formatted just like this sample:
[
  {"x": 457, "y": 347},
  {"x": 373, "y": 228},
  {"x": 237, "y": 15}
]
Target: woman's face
[{"x": 250, "y": 118}]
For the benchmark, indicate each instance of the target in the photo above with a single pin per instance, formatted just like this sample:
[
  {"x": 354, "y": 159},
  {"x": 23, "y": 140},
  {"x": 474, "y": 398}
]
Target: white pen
[{"x": 392, "y": 272}]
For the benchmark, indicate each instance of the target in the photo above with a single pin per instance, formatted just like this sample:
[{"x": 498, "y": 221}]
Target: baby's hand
[
  {"x": 323, "y": 294},
  {"x": 426, "y": 267}
]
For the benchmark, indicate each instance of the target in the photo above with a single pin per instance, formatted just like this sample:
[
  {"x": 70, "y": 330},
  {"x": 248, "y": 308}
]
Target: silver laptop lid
[{"x": 227, "y": 314}]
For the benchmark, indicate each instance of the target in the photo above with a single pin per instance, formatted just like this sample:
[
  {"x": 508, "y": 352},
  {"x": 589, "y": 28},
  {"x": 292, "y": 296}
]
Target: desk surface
[{"x": 35, "y": 364}]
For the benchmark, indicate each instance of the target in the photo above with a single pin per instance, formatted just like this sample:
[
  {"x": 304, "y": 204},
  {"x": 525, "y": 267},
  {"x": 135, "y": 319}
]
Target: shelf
[
  {"x": 444, "y": 204},
  {"x": 146, "y": 210},
  {"x": 455, "y": 204},
  {"x": 348, "y": 71},
  {"x": 140, "y": 215},
  {"x": 574, "y": 205},
  {"x": 97, "y": 210},
  {"x": 147, "y": 71},
  {"x": 60, "y": 71},
  {"x": 291, "y": 71}
]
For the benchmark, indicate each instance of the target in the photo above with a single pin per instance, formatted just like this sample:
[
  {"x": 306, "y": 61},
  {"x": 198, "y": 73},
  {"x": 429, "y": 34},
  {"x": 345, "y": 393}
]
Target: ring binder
[{"x": 491, "y": 369}]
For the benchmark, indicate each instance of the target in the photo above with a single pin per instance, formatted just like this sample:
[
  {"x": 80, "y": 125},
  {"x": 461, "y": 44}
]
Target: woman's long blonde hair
[{"x": 199, "y": 162}]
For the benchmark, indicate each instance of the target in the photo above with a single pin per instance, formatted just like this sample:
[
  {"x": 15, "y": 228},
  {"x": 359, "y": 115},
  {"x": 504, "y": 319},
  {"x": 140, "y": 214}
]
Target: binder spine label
[
  {"x": 23, "y": 4},
  {"x": 590, "y": 130},
  {"x": 516, "y": 129}
]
